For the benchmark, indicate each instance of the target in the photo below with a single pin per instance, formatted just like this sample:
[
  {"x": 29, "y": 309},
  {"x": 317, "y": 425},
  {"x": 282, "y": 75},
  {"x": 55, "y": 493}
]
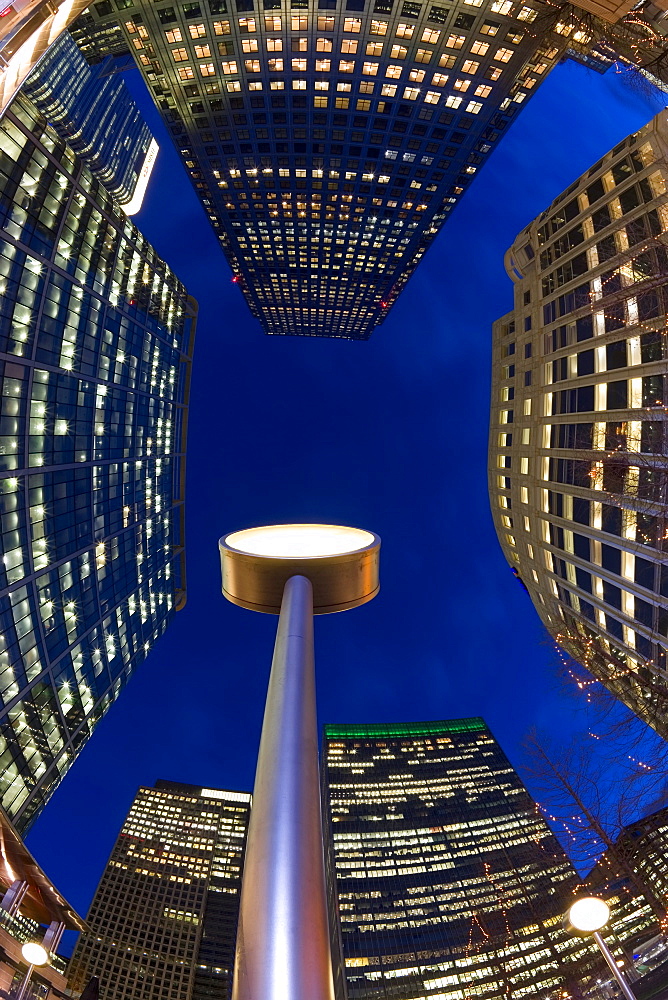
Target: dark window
[
  {"x": 583, "y": 579},
  {"x": 527, "y": 350},
  {"x": 580, "y": 510},
  {"x": 438, "y": 14},
  {"x": 612, "y": 519},
  {"x": 464, "y": 21},
  {"x": 586, "y": 363},
  {"x": 527, "y": 378},
  {"x": 652, "y": 390},
  {"x": 616, "y": 354},
  {"x": 614, "y": 627},
  {"x": 644, "y": 612},
  {"x": 611, "y": 559},
  {"x": 644, "y": 573},
  {"x": 595, "y": 191},
  {"x": 581, "y": 546},
  {"x": 617, "y": 395},
  {"x": 651, "y": 437},
  {"x": 651, "y": 347},
  {"x": 584, "y": 328},
  {"x": 629, "y": 199}
]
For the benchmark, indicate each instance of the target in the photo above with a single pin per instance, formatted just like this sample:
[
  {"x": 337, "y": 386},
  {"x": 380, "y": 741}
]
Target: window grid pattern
[
  {"x": 163, "y": 919},
  {"x": 578, "y": 444},
  {"x": 95, "y": 345},
  {"x": 449, "y": 882},
  {"x": 328, "y": 147}
]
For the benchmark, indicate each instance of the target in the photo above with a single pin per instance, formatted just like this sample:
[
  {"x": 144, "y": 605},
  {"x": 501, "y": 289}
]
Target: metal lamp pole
[
  {"x": 627, "y": 992},
  {"x": 283, "y": 942},
  {"x": 589, "y": 915}
]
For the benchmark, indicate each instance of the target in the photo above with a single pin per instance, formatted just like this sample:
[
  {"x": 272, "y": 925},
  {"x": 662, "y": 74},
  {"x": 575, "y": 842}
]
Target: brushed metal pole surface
[
  {"x": 627, "y": 992},
  {"x": 283, "y": 948}
]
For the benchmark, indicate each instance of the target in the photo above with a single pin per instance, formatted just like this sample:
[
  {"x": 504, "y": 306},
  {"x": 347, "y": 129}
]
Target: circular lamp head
[
  {"x": 340, "y": 562},
  {"x": 34, "y": 953},
  {"x": 589, "y": 914}
]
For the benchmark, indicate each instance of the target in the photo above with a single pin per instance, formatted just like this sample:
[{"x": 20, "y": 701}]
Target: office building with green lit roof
[{"x": 450, "y": 883}]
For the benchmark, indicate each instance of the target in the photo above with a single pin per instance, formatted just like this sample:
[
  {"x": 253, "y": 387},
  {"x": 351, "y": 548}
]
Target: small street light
[
  {"x": 294, "y": 571},
  {"x": 35, "y": 955},
  {"x": 589, "y": 916}
]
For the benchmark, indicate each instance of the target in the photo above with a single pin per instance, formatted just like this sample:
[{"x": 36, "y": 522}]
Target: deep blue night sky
[{"x": 389, "y": 435}]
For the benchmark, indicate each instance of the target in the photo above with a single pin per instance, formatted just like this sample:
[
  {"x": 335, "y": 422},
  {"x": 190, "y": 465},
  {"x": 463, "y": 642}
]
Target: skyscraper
[
  {"x": 327, "y": 142},
  {"x": 96, "y": 337},
  {"x": 578, "y": 443},
  {"x": 96, "y": 115},
  {"x": 449, "y": 882},
  {"x": 163, "y": 919}
]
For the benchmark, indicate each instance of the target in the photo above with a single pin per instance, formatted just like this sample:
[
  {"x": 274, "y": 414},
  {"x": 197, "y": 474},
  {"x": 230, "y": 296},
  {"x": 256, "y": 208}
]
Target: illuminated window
[
  {"x": 247, "y": 24},
  {"x": 374, "y": 48},
  {"x": 206, "y": 69},
  {"x": 276, "y": 84},
  {"x": 493, "y": 73},
  {"x": 229, "y": 66},
  {"x": 346, "y": 65},
  {"x": 233, "y": 86},
  {"x": 462, "y": 85},
  {"x": 344, "y": 86},
  {"x": 349, "y": 46},
  {"x": 394, "y": 72},
  {"x": 299, "y": 65},
  {"x": 341, "y": 102},
  {"x": 363, "y": 105},
  {"x": 325, "y": 22},
  {"x": 389, "y": 89},
  {"x": 319, "y": 102},
  {"x": 527, "y": 14},
  {"x": 378, "y": 28},
  {"x": 423, "y": 55},
  {"x": 370, "y": 68},
  {"x": 470, "y": 66},
  {"x": 405, "y": 30},
  {"x": 174, "y": 35},
  {"x": 252, "y": 65},
  {"x": 197, "y": 30},
  {"x": 503, "y": 55},
  {"x": 322, "y": 84},
  {"x": 179, "y": 55},
  {"x": 299, "y": 84},
  {"x": 353, "y": 24},
  {"x": 274, "y": 45},
  {"x": 249, "y": 44},
  {"x": 323, "y": 65},
  {"x": 453, "y": 102},
  {"x": 488, "y": 28},
  {"x": 411, "y": 93},
  {"x": 299, "y": 22},
  {"x": 255, "y": 85},
  {"x": 479, "y": 48},
  {"x": 483, "y": 91},
  {"x": 202, "y": 51},
  {"x": 272, "y": 22},
  {"x": 366, "y": 86},
  {"x": 439, "y": 79},
  {"x": 186, "y": 73},
  {"x": 432, "y": 97},
  {"x": 221, "y": 27},
  {"x": 473, "y": 108}
]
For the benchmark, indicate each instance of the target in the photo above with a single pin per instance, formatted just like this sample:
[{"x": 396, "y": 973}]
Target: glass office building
[
  {"x": 164, "y": 917},
  {"x": 449, "y": 882},
  {"x": 328, "y": 142},
  {"x": 96, "y": 115},
  {"x": 577, "y": 459},
  {"x": 96, "y": 337}
]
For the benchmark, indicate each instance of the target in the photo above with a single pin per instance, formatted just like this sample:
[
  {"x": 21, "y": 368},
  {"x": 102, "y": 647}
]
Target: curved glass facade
[{"x": 96, "y": 336}]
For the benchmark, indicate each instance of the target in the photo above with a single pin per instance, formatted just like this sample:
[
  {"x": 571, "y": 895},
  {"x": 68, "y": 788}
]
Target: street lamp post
[
  {"x": 35, "y": 955},
  {"x": 295, "y": 571},
  {"x": 589, "y": 916}
]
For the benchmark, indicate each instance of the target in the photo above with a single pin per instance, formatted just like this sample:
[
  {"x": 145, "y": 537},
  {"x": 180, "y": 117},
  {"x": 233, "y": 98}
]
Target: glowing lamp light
[
  {"x": 34, "y": 953},
  {"x": 300, "y": 541},
  {"x": 235, "y": 279},
  {"x": 589, "y": 914},
  {"x": 383, "y": 305}
]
